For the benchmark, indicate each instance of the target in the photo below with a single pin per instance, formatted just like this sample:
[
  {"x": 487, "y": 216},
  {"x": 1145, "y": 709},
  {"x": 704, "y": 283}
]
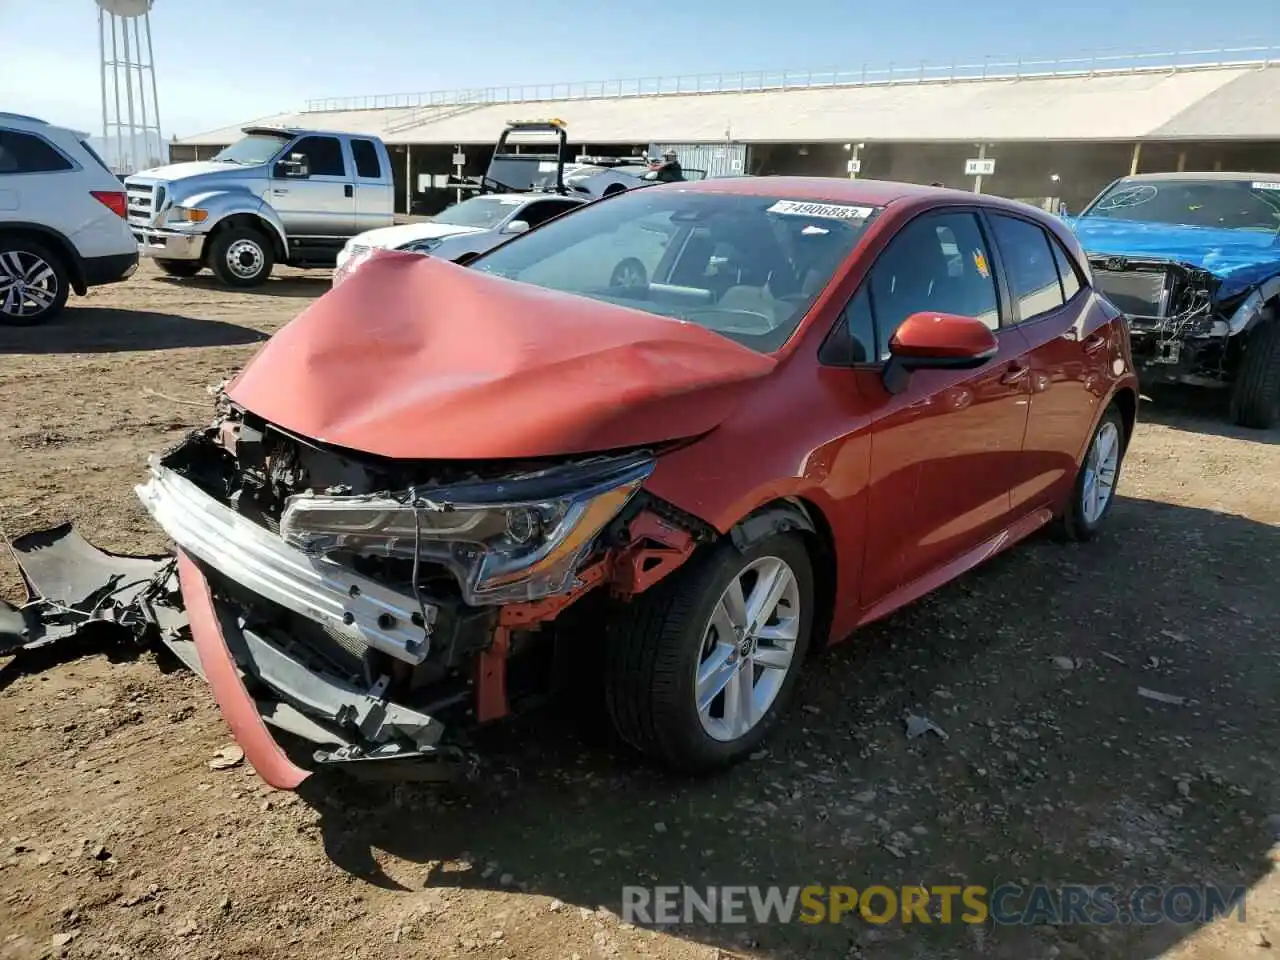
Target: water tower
[{"x": 130, "y": 107}]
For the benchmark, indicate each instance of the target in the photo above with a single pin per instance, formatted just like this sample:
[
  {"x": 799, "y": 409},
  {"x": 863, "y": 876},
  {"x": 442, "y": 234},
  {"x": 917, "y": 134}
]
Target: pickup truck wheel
[
  {"x": 1255, "y": 398},
  {"x": 33, "y": 283},
  {"x": 180, "y": 268},
  {"x": 700, "y": 667},
  {"x": 241, "y": 257},
  {"x": 1093, "y": 494}
]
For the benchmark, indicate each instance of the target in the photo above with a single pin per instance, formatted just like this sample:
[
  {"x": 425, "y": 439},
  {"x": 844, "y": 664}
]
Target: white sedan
[{"x": 472, "y": 226}]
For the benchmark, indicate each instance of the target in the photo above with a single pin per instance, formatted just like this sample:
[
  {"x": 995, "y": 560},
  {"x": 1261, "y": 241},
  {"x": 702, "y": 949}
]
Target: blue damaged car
[{"x": 1193, "y": 260}]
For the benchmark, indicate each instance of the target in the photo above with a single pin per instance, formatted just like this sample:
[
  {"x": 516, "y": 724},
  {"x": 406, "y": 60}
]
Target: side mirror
[
  {"x": 296, "y": 166},
  {"x": 516, "y": 226},
  {"x": 937, "y": 341}
]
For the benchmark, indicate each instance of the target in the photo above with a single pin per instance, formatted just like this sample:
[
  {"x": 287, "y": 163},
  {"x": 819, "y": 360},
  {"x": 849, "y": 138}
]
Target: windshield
[
  {"x": 1225, "y": 204},
  {"x": 252, "y": 150},
  {"x": 524, "y": 172},
  {"x": 481, "y": 212},
  {"x": 747, "y": 267}
]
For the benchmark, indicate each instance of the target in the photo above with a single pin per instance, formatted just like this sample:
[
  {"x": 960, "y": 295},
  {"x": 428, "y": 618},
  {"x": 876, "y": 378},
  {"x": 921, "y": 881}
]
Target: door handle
[
  {"x": 278, "y": 192},
  {"x": 348, "y": 190},
  {"x": 1094, "y": 343},
  {"x": 1016, "y": 373}
]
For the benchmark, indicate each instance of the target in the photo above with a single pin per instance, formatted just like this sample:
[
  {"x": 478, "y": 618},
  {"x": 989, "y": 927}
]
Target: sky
[{"x": 220, "y": 63}]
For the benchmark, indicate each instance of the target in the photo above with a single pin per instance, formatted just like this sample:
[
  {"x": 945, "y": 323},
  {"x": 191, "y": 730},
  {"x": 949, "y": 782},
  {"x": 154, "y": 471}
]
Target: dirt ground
[{"x": 118, "y": 840}]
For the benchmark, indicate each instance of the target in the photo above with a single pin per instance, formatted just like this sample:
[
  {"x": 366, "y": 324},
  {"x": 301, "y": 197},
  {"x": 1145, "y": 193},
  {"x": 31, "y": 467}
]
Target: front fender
[{"x": 222, "y": 204}]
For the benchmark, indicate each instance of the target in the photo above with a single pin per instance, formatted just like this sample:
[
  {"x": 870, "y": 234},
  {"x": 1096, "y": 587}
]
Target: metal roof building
[
  {"x": 903, "y": 123},
  {"x": 1201, "y": 103}
]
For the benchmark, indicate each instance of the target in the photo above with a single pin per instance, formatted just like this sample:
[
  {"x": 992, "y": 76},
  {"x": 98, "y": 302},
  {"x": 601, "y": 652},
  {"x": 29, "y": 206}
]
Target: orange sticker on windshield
[{"x": 980, "y": 261}]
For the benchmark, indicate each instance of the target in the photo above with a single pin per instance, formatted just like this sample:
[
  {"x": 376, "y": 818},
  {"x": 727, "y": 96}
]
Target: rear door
[
  {"x": 323, "y": 203},
  {"x": 34, "y": 184},
  {"x": 1067, "y": 353},
  {"x": 945, "y": 452},
  {"x": 373, "y": 186}
]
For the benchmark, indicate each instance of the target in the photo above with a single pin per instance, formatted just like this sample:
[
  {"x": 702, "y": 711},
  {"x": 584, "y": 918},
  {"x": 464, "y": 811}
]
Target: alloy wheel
[
  {"x": 1100, "y": 468},
  {"x": 747, "y": 649},
  {"x": 28, "y": 284}
]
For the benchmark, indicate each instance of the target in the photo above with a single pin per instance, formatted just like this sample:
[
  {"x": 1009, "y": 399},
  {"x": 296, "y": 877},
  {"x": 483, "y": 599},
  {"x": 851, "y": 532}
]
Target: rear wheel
[
  {"x": 180, "y": 268},
  {"x": 33, "y": 283},
  {"x": 1255, "y": 397},
  {"x": 700, "y": 668},
  {"x": 1094, "y": 492},
  {"x": 241, "y": 257}
]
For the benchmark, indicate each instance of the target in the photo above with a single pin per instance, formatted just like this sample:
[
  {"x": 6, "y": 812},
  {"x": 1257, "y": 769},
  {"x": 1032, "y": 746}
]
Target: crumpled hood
[
  {"x": 419, "y": 358},
  {"x": 1239, "y": 258}
]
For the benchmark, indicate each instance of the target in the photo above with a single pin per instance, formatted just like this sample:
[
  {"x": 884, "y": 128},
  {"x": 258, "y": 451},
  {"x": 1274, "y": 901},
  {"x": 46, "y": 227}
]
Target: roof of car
[
  {"x": 1202, "y": 175},
  {"x": 876, "y": 193}
]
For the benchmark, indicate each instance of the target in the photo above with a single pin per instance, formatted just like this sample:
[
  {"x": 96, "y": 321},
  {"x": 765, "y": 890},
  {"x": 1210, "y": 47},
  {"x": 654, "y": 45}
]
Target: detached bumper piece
[
  {"x": 219, "y": 605},
  {"x": 73, "y": 588}
]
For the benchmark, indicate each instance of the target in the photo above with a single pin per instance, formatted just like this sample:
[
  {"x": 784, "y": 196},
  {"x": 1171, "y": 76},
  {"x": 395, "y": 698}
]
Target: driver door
[
  {"x": 945, "y": 451},
  {"x": 323, "y": 203}
]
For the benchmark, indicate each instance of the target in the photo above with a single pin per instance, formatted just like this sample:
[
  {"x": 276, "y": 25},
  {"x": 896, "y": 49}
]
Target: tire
[
  {"x": 180, "y": 268},
  {"x": 241, "y": 257},
  {"x": 655, "y": 646},
  {"x": 34, "y": 284},
  {"x": 1079, "y": 520},
  {"x": 613, "y": 189},
  {"x": 1255, "y": 398}
]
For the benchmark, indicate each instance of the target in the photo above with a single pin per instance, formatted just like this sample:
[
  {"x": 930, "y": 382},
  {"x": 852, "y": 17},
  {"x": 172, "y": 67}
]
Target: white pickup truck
[{"x": 278, "y": 195}]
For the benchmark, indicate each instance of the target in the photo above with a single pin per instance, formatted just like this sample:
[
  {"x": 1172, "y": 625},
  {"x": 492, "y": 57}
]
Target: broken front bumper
[
  {"x": 292, "y": 691},
  {"x": 259, "y": 674},
  {"x": 352, "y": 607}
]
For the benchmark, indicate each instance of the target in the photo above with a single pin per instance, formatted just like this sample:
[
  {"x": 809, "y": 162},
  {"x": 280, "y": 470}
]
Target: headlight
[
  {"x": 188, "y": 214},
  {"x": 505, "y": 542},
  {"x": 349, "y": 257},
  {"x": 422, "y": 246}
]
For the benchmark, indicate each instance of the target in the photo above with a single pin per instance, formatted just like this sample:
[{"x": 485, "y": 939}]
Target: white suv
[{"x": 62, "y": 220}]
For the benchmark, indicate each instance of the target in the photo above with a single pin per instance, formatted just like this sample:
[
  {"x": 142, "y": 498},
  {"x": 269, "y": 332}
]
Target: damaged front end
[
  {"x": 381, "y": 609},
  {"x": 1183, "y": 329}
]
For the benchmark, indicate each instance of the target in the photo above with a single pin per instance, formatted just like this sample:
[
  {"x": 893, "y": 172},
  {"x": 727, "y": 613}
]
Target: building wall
[
  {"x": 717, "y": 159},
  {"x": 1024, "y": 171}
]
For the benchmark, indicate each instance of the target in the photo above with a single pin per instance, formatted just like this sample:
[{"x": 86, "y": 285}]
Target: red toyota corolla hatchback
[{"x": 692, "y": 431}]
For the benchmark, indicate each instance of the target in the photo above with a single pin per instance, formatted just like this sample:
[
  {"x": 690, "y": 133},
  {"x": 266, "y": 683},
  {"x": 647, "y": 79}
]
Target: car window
[
  {"x": 745, "y": 266},
  {"x": 25, "y": 153},
  {"x": 1225, "y": 204},
  {"x": 1068, "y": 273},
  {"x": 936, "y": 263},
  {"x": 597, "y": 261},
  {"x": 368, "y": 164},
  {"x": 854, "y": 338},
  {"x": 542, "y": 210},
  {"x": 1030, "y": 265},
  {"x": 324, "y": 156},
  {"x": 483, "y": 213}
]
